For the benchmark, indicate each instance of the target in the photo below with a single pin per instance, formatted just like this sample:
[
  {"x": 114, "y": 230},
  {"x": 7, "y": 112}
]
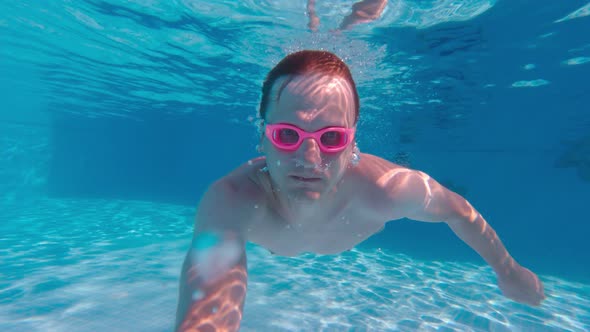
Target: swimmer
[{"x": 312, "y": 190}]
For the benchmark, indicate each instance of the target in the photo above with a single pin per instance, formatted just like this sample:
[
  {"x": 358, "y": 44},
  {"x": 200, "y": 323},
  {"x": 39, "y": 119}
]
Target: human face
[{"x": 310, "y": 103}]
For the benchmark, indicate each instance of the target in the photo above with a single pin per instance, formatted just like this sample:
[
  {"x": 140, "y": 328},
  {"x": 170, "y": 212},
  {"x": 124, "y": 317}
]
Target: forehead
[{"x": 312, "y": 100}]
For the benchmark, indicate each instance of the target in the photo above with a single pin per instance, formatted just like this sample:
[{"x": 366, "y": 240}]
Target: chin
[
  {"x": 305, "y": 195},
  {"x": 313, "y": 195}
]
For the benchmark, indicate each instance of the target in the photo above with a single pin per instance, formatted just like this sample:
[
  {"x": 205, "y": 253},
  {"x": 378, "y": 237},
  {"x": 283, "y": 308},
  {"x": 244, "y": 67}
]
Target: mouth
[{"x": 306, "y": 179}]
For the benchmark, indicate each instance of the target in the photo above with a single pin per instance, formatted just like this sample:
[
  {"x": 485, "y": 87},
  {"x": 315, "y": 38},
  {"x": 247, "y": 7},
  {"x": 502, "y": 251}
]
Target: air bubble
[
  {"x": 355, "y": 159},
  {"x": 198, "y": 295}
]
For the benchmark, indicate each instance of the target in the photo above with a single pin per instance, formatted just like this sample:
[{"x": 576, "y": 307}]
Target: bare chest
[{"x": 332, "y": 235}]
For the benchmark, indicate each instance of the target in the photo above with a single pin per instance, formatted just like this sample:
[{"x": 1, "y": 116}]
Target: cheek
[
  {"x": 336, "y": 164},
  {"x": 343, "y": 161},
  {"x": 275, "y": 160}
]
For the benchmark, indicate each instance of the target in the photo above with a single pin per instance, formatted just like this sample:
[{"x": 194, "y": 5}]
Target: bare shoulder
[
  {"x": 245, "y": 183},
  {"x": 376, "y": 171},
  {"x": 231, "y": 202},
  {"x": 387, "y": 185}
]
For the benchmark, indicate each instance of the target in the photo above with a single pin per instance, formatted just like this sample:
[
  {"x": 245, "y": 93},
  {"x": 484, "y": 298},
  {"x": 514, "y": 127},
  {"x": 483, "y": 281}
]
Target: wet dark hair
[{"x": 305, "y": 62}]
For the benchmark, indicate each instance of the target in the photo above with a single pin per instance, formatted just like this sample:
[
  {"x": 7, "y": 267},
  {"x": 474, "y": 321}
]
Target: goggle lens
[{"x": 286, "y": 136}]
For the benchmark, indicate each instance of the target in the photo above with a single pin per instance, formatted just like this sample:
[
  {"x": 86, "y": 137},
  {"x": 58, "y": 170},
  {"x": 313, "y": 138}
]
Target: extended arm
[
  {"x": 214, "y": 274},
  {"x": 422, "y": 198},
  {"x": 214, "y": 305},
  {"x": 434, "y": 203}
]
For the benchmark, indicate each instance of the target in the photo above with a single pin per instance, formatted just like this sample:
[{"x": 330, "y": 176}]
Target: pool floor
[{"x": 99, "y": 265}]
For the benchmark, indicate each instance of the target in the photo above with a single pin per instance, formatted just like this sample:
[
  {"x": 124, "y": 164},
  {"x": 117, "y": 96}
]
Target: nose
[{"x": 309, "y": 153}]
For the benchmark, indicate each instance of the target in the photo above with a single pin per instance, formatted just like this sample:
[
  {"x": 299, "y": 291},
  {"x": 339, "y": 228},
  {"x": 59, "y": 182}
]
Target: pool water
[{"x": 107, "y": 114}]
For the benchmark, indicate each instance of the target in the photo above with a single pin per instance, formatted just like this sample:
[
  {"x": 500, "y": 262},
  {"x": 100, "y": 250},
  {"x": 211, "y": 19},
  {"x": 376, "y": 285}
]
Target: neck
[{"x": 304, "y": 211}]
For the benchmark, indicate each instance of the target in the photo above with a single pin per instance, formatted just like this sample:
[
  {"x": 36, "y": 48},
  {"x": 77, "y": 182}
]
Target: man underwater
[{"x": 313, "y": 191}]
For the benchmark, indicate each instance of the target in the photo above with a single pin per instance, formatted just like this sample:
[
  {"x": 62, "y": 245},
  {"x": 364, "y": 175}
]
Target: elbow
[{"x": 460, "y": 211}]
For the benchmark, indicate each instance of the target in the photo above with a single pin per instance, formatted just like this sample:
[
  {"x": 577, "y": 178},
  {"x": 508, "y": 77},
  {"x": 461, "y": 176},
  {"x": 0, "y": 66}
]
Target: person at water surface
[{"x": 313, "y": 191}]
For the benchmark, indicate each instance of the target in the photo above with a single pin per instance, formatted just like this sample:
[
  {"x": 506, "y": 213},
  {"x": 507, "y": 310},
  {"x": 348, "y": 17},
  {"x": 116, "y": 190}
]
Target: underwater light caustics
[{"x": 219, "y": 270}]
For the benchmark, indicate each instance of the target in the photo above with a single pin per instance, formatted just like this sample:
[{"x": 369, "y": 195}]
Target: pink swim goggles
[{"x": 288, "y": 137}]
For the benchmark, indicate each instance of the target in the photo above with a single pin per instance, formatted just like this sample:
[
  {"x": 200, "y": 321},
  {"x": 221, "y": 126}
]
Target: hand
[{"x": 521, "y": 285}]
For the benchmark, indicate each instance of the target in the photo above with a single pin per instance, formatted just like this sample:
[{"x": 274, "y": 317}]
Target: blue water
[{"x": 116, "y": 115}]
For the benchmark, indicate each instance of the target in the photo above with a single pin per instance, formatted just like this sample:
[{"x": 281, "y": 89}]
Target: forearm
[
  {"x": 478, "y": 234},
  {"x": 430, "y": 202},
  {"x": 216, "y": 303}
]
